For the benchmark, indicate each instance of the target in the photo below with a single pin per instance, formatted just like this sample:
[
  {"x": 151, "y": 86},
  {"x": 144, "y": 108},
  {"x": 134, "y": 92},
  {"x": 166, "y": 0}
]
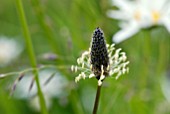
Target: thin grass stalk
[{"x": 31, "y": 54}]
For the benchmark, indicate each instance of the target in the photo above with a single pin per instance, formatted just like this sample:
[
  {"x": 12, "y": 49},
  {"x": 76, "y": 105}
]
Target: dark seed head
[{"x": 99, "y": 54}]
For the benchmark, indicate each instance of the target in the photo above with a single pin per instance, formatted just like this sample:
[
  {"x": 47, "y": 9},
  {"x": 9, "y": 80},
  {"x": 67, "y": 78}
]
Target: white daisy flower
[
  {"x": 101, "y": 60},
  {"x": 9, "y": 50},
  {"x": 138, "y": 14}
]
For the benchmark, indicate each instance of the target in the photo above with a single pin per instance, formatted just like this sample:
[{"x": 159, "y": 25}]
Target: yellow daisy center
[{"x": 155, "y": 16}]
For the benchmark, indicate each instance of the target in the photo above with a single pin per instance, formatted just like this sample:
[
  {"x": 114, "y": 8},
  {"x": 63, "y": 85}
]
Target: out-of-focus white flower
[
  {"x": 52, "y": 83},
  {"x": 9, "y": 50},
  {"x": 137, "y": 14}
]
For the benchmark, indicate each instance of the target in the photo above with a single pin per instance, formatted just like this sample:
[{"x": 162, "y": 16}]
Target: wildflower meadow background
[{"x": 61, "y": 31}]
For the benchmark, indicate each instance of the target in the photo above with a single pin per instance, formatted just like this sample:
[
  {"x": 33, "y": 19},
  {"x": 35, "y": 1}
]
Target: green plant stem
[
  {"x": 5, "y": 75},
  {"x": 31, "y": 54},
  {"x": 97, "y": 100}
]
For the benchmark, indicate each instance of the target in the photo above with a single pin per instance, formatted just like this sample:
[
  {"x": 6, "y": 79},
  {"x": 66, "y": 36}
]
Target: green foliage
[{"x": 65, "y": 28}]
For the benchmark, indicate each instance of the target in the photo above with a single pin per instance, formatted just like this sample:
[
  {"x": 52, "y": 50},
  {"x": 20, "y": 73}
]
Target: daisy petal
[
  {"x": 126, "y": 32},
  {"x": 166, "y": 23},
  {"x": 117, "y": 15},
  {"x": 123, "y": 4}
]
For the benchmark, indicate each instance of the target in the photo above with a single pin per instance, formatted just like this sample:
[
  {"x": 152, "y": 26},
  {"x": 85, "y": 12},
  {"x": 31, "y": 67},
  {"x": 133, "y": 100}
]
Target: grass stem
[{"x": 31, "y": 53}]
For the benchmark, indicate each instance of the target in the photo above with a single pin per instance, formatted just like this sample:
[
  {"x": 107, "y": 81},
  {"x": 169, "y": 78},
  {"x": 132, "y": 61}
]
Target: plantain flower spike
[{"x": 101, "y": 60}]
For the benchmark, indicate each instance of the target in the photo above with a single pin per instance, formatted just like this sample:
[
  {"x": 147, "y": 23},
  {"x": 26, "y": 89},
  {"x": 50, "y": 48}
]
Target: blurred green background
[{"x": 65, "y": 28}]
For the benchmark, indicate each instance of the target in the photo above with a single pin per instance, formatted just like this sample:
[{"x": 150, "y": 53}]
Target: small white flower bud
[
  {"x": 102, "y": 77},
  {"x": 85, "y": 53},
  {"x": 77, "y": 78},
  {"x": 112, "y": 46},
  {"x": 72, "y": 68},
  {"x": 124, "y": 70},
  {"x": 83, "y": 75},
  {"x": 91, "y": 75},
  {"x": 99, "y": 83},
  {"x": 111, "y": 73},
  {"x": 116, "y": 70},
  {"x": 107, "y": 45},
  {"x": 78, "y": 61},
  {"x": 82, "y": 65}
]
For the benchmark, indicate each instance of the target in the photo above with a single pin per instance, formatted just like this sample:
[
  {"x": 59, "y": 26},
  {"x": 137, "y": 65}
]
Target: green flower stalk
[{"x": 31, "y": 54}]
